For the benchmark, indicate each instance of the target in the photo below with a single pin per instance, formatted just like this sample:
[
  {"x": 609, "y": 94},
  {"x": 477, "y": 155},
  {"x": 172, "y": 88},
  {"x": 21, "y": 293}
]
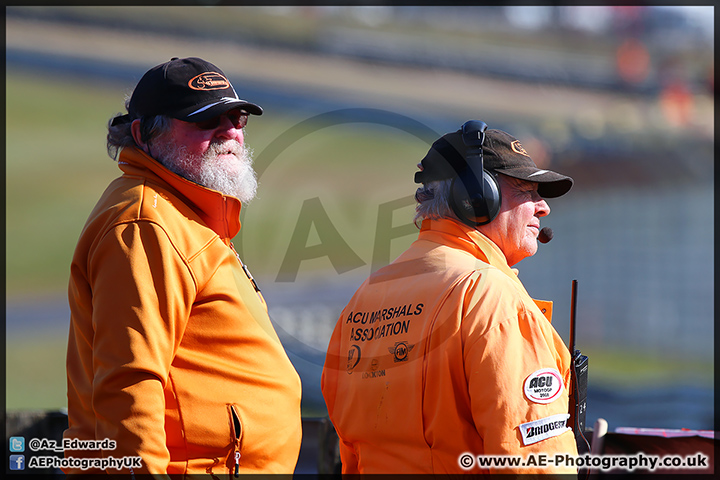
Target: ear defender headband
[{"x": 475, "y": 194}]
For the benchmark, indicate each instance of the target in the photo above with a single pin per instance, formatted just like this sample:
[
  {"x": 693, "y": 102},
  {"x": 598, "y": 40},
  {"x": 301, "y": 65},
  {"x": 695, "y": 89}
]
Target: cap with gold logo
[{"x": 502, "y": 153}]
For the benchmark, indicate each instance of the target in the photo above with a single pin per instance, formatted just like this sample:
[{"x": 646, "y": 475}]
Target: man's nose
[
  {"x": 227, "y": 130},
  {"x": 542, "y": 208}
]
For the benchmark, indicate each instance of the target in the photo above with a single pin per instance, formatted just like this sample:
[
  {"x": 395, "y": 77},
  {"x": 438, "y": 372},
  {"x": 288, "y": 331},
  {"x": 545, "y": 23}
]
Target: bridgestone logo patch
[{"x": 537, "y": 430}]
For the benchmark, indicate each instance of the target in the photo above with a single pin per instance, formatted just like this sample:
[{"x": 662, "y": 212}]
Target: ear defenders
[{"x": 475, "y": 194}]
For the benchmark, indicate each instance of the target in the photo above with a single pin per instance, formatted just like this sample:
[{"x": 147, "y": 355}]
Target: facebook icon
[{"x": 17, "y": 462}]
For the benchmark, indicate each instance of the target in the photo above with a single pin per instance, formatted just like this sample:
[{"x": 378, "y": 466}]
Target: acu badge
[{"x": 543, "y": 386}]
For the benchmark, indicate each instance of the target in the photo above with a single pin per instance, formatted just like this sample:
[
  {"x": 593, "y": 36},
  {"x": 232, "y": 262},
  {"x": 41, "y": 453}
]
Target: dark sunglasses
[{"x": 237, "y": 117}]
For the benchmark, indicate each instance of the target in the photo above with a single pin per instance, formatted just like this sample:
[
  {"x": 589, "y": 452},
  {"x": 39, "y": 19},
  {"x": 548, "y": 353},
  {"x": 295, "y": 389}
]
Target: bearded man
[{"x": 173, "y": 364}]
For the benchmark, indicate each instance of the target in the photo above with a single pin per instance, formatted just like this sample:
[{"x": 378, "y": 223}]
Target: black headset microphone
[{"x": 545, "y": 235}]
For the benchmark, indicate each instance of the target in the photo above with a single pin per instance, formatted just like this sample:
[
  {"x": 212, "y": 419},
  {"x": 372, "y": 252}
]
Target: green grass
[
  {"x": 55, "y": 167},
  {"x": 633, "y": 369},
  {"x": 35, "y": 373}
]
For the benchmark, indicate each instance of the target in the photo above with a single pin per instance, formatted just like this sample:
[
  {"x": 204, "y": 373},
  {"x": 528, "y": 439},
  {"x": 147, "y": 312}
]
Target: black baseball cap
[
  {"x": 502, "y": 153},
  {"x": 189, "y": 89}
]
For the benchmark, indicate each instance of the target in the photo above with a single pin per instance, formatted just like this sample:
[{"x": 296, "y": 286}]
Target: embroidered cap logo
[
  {"x": 209, "y": 81},
  {"x": 518, "y": 148}
]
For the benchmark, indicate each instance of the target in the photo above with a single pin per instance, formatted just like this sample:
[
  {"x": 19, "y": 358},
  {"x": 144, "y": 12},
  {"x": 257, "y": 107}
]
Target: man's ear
[{"x": 137, "y": 136}]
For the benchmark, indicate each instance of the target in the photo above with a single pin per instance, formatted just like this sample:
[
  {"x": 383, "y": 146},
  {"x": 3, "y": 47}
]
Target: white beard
[{"x": 235, "y": 177}]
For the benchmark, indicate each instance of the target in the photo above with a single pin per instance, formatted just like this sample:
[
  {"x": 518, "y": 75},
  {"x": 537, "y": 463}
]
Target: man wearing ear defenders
[
  {"x": 441, "y": 360},
  {"x": 171, "y": 354}
]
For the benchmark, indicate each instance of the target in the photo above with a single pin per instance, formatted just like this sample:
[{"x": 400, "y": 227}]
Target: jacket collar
[
  {"x": 455, "y": 234},
  {"x": 458, "y": 235},
  {"x": 219, "y": 212}
]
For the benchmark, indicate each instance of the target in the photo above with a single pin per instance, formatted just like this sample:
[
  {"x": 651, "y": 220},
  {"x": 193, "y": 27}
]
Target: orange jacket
[
  {"x": 171, "y": 352},
  {"x": 443, "y": 353}
]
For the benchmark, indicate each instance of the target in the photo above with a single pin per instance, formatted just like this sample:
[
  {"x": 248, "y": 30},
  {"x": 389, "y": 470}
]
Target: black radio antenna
[
  {"x": 579, "y": 373},
  {"x": 573, "y": 309}
]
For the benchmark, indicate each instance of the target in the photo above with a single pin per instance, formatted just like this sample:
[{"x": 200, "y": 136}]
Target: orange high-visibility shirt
[{"x": 443, "y": 353}]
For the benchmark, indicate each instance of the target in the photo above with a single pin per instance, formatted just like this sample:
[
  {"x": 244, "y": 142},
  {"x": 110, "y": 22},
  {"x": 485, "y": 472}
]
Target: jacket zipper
[
  {"x": 245, "y": 269},
  {"x": 237, "y": 434}
]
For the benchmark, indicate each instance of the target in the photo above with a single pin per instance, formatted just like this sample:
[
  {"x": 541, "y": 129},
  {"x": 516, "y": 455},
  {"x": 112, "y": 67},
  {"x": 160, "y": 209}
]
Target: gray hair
[
  {"x": 120, "y": 135},
  {"x": 433, "y": 201}
]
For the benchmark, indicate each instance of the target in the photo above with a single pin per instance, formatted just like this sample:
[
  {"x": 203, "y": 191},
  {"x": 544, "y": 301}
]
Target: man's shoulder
[{"x": 133, "y": 199}]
